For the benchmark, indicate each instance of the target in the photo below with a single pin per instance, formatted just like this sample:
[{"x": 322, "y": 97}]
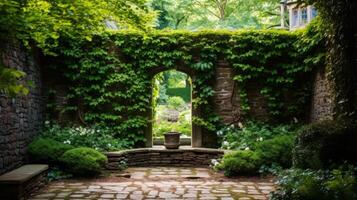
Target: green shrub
[
  {"x": 176, "y": 103},
  {"x": 325, "y": 143},
  {"x": 251, "y": 133},
  {"x": 47, "y": 150},
  {"x": 276, "y": 151},
  {"x": 298, "y": 184},
  {"x": 84, "y": 161},
  {"x": 240, "y": 163}
]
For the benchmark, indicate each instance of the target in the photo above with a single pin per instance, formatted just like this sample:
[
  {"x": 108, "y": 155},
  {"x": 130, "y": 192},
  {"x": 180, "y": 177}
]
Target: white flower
[
  {"x": 67, "y": 142},
  {"x": 247, "y": 149},
  {"x": 260, "y": 139},
  {"x": 240, "y": 125},
  {"x": 225, "y": 143},
  {"x": 214, "y": 162},
  {"x": 47, "y": 122}
]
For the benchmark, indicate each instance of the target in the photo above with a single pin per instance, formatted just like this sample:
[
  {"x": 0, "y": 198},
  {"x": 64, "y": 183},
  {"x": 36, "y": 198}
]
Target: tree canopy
[{"x": 229, "y": 14}]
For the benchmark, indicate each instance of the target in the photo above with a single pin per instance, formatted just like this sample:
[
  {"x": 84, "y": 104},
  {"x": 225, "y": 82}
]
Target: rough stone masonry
[{"x": 20, "y": 117}]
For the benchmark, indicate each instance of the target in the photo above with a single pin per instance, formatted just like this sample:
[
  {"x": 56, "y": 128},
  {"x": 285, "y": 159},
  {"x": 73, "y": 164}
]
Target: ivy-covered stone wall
[
  {"x": 237, "y": 75},
  {"x": 20, "y": 117}
]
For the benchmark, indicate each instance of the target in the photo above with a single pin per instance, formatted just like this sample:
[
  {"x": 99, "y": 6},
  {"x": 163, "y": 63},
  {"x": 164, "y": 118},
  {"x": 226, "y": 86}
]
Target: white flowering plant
[
  {"x": 96, "y": 137},
  {"x": 245, "y": 136}
]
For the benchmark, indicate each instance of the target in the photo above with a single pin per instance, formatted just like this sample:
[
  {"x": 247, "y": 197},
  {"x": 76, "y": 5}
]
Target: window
[
  {"x": 303, "y": 16},
  {"x": 295, "y": 18},
  {"x": 313, "y": 13}
]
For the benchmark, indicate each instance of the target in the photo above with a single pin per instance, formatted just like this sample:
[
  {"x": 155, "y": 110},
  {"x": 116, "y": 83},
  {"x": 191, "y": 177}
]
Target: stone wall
[
  {"x": 191, "y": 157},
  {"x": 226, "y": 98},
  {"x": 321, "y": 101},
  {"x": 21, "y": 117}
]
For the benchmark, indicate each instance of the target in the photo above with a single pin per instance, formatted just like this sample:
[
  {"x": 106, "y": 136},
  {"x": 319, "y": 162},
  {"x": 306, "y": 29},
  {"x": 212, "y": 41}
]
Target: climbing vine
[
  {"x": 341, "y": 43},
  {"x": 109, "y": 78}
]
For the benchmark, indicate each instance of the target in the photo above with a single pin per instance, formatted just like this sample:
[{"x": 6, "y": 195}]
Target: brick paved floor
[{"x": 159, "y": 183}]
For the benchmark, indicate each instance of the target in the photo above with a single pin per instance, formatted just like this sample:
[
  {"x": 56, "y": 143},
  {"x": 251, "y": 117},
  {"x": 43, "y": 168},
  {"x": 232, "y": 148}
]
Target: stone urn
[{"x": 172, "y": 140}]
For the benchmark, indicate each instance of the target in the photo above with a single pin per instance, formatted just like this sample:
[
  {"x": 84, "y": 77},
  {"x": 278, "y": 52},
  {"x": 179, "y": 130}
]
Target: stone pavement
[{"x": 159, "y": 183}]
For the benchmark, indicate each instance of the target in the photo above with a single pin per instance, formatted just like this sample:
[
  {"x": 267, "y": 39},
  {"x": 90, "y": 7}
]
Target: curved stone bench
[{"x": 183, "y": 157}]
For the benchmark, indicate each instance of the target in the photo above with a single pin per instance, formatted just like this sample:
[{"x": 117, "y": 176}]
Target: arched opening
[{"x": 171, "y": 106}]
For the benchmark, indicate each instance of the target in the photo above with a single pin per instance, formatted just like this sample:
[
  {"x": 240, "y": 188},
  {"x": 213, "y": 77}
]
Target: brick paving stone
[{"x": 159, "y": 183}]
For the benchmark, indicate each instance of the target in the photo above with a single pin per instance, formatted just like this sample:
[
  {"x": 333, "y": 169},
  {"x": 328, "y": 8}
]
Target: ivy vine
[{"x": 109, "y": 78}]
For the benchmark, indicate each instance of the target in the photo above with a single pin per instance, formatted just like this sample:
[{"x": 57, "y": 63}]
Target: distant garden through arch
[{"x": 172, "y": 106}]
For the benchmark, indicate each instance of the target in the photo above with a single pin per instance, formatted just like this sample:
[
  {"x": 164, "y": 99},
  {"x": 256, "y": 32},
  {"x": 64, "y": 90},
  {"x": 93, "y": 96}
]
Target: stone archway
[{"x": 196, "y": 137}]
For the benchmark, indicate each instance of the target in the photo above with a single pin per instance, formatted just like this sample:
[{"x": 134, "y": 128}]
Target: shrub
[
  {"x": 298, "y": 184},
  {"x": 47, "y": 150},
  {"x": 176, "y": 103},
  {"x": 240, "y": 163},
  {"x": 250, "y": 134},
  {"x": 84, "y": 161},
  {"x": 276, "y": 151},
  {"x": 322, "y": 144}
]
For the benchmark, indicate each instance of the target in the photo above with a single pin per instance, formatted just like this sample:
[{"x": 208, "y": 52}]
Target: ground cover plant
[
  {"x": 96, "y": 137},
  {"x": 257, "y": 146},
  {"x": 334, "y": 184}
]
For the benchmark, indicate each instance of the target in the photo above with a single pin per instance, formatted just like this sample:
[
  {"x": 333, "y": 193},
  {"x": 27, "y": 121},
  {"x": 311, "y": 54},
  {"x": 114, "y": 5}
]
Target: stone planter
[{"x": 172, "y": 140}]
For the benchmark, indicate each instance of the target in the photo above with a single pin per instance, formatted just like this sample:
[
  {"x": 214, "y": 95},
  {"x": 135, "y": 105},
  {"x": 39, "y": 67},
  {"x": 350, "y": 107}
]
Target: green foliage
[
  {"x": 240, "y": 163},
  {"x": 297, "y": 184},
  {"x": 110, "y": 77},
  {"x": 217, "y": 14},
  {"x": 47, "y": 22},
  {"x": 176, "y": 103},
  {"x": 56, "y": 173},
  {"x": 184, "y": 93},
  {"x": 276, "y": 151},
  {"x": 162, "y": 125},
  {"x": 341, "y": 54},
  {"x": 10, "y": 82},
  {"x": 84, "y": 161},
  {"x": 325, "y": 143},
  {"x": 250, "y": 134},
  {"x": 95, "y": 137},
  {"x": 47, "y": 150}
]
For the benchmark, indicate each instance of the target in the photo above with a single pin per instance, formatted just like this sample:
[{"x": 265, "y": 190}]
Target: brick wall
[{"x": 21, "y": 117}]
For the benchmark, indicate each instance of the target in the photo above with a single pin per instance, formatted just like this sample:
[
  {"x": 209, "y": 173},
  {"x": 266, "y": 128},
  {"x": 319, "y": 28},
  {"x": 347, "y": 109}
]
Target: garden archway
[{"x": 196, "y": 135}]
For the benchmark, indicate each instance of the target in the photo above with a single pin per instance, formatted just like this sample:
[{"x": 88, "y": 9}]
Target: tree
[
  {"x": 172, "y": 13},
  {"x": 43, "y": 23},
  {"x": 197, "y": 14}
]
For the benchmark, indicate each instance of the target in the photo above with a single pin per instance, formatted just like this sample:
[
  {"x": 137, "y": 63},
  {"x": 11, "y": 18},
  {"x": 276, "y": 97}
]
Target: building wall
[
  {"x": 322, "y": 97},
  {"x": 21, "y": 117}
]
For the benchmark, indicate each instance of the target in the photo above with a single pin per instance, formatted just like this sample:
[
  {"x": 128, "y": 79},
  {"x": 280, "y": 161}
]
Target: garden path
[{"x": 159, "y": 183}]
